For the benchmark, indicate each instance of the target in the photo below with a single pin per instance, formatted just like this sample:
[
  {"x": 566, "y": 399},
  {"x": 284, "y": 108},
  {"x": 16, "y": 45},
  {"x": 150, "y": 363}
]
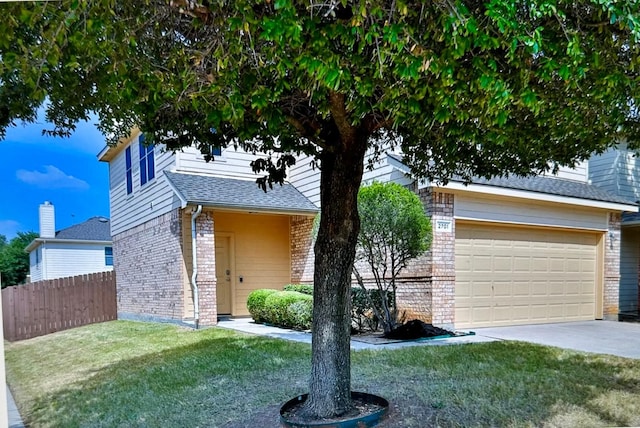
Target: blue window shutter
[
  {"x": 143, "y": 164},
  {"x": 151, "y": 167},
  {"x": 128, "y": 169}
]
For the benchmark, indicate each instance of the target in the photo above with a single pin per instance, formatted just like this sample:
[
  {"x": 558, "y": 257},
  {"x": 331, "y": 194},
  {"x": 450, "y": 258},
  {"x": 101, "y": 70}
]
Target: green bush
[
  {"x": 300, "y": 288},
  {"x": 277, "y": 307},
  {"x": 256, "y": 303},
  {"x": 300, "y": 314}
]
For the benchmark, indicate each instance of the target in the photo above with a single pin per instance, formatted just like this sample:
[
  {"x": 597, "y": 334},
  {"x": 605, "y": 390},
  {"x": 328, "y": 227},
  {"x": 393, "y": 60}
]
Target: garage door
[{"x": 509, "y": 276}]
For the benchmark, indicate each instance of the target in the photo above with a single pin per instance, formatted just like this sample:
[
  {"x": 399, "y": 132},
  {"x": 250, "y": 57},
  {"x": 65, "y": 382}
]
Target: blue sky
[{"x": 65, "y": 171}]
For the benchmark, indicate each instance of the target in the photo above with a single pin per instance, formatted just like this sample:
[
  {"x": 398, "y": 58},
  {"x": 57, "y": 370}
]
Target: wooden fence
[{"x": 45, "y": 307}]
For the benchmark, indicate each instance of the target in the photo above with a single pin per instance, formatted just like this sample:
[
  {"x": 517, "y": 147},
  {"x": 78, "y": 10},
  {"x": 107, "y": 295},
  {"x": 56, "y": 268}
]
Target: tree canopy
[
  {"x": 14, "y": 261},
  {"x": 464, "y": 87},
  {"x": 467, "y": 87}
]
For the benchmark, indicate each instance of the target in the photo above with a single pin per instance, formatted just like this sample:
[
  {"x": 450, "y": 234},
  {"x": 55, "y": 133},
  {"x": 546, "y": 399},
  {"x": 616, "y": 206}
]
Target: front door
[{"x": 223, "y": 274}]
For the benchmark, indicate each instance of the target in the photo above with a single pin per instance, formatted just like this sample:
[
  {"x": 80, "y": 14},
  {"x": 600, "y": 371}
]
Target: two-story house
[
  {"x": 191, "y": 239},
  {"x": 76, "y": 250}
]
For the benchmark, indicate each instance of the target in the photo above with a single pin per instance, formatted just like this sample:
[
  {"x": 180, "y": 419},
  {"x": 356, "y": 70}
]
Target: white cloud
[
  {"x": 9, "y": 228},
  {"x": 51, "y": 178}
]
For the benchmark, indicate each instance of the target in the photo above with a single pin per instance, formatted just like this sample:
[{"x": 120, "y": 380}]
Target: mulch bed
[{"x": 412, "y": 330}]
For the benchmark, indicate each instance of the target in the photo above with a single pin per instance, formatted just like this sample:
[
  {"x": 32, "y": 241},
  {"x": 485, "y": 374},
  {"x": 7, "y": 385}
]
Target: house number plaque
[{"x": 444, "y": 226}]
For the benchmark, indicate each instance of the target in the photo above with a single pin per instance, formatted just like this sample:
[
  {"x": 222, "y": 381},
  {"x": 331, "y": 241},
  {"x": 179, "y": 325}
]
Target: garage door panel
[{"x": 507, "y": 276}]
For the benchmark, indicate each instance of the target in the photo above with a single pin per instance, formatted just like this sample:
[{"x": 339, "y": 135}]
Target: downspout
[{"x": 194, "y": 275}]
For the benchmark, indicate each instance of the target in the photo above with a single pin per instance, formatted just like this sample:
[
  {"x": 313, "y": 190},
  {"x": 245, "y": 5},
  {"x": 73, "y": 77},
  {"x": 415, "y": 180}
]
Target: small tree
[{"x": 394, "y": 229}]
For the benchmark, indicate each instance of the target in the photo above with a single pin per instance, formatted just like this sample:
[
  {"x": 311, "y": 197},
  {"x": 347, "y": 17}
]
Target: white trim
[
  {"x": 36, "y": 242},
  {"x": 535, "y": 196},
  {"x": 535, "y": 225}
]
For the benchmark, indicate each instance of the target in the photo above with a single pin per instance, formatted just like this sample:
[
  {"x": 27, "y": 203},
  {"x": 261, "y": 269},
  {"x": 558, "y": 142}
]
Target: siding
[
  {"x": 617, "y": 170},
  {"x": 307, "y": 180},
  {"x": 579, "y": 172},
  {"x": 231, "y": 164},
  {"x": 64, "y": 260},
  {"x": 146, "y": 202},
  {"x": 527, "y": 212},
  {"x": 629, "y": 256}
]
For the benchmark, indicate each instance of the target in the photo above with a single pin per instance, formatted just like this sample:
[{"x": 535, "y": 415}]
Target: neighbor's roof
[
  {"x": 545, "y": 185},
  {"x": 238, "y": 194},
  {"x": 96, "y": 229}
]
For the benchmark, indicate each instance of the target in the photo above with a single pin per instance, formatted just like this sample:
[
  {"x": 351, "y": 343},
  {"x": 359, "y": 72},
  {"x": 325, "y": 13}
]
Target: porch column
[
  {"x": 439, "y": 206},
  {"x": 611, "y": 284},
  {"x": 206, "y": 255}
]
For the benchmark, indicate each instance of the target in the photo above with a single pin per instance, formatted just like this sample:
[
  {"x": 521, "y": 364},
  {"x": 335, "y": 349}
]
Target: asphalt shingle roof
[
  {"x": 555, "y": 186},
  {"x": 243, "y": 194},
  {"x": 94, "y": 229},
  {"x": 547, "y": 185}
]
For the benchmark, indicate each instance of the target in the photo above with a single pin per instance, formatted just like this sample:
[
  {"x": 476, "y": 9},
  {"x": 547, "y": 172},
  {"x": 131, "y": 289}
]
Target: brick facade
[
  {"x": 148, "y": 264},
  {"x": 302, "y": 256},
  {"x": 439, "y": 206},
  {"x": 611, "y": 284},
  {"x": 206, "y": 256}
]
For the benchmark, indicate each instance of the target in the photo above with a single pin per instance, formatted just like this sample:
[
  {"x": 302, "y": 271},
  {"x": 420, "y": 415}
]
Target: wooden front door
[{"x": 223, "y": 274}]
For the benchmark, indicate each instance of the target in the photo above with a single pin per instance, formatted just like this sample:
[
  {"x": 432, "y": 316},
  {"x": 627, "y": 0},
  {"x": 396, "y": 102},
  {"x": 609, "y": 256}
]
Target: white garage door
[{"x": 509, "y": 276}]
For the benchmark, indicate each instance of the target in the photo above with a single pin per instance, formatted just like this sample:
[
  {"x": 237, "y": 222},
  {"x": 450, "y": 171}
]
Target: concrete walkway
[
  {"x": 14, "y": 419},
  {"x": 248, "y": 326},
  {"x": 600, "y": 337}
]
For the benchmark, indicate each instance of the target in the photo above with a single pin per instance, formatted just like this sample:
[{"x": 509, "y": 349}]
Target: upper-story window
[
  {"x": 129, "y": 170},
  {"x": 108, "y": 256},
  {"x": 147, "y": 162}
]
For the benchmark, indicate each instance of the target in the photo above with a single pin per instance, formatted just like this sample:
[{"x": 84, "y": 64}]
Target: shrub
[
  {"x": 256, "y": 303},
  {"x": 300, "y": 288},
  {"x": 300, "y": 314},
  {"x": 278, "y": 312},
  {"x": 363, "y": 315}
]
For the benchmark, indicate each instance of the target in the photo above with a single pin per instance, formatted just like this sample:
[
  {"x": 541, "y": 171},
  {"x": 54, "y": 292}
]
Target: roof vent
[{"x": 103, "y": 220}]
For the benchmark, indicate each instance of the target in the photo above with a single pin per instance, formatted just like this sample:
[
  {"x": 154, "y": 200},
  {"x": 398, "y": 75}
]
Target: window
[
  {"x": 147, "y": 165},
  {"x": 108, "y": 256},
  {"x": 129, "y": 170},
  {"x": 37, "y": 256},
  {"x": 216, "y": 151}
]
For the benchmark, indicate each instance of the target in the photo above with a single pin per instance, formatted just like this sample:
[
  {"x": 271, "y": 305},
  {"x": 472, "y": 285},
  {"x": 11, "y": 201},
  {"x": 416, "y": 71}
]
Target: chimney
[{"x": 47, "y": 221}]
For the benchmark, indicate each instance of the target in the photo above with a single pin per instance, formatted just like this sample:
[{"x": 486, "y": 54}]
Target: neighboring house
[
  {"x": 77, "y": 250},
  {"x": 504, "y": 251},
  {"x": 618, "y": 171}
]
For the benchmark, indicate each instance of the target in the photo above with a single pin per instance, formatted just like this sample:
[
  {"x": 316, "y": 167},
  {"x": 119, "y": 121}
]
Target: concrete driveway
[{"x": 602, "y": 337}]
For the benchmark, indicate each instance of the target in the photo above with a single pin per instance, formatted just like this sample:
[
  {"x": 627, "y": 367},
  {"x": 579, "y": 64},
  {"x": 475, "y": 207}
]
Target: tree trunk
[{"x": 330, "y": 385}]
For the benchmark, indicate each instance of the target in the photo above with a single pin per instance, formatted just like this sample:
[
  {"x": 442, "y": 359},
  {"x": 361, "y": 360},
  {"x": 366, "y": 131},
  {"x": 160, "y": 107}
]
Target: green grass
[{"x": 128, "y": 374}]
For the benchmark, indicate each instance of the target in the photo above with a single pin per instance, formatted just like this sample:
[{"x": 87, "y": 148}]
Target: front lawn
[{"x": 128, "y": 374}]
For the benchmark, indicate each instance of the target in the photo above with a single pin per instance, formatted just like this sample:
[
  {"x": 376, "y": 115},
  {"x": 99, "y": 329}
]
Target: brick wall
[
  {"x": 302, "y": 256},
  {"x": 439, "y": 206},
  {"x": 148, "y": 264},
  {"x": 612, "y": 267},
  {"x": 206, "y": 255}
]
